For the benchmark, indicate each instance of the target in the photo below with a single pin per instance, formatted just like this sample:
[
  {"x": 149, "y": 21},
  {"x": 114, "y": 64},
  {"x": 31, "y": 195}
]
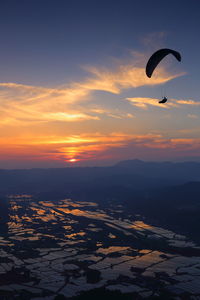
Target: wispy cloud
[
  {"x": 95, "y": 147},
  {"x": 115, "y": 113},
  {"x": 123, "y": 77},
  {"x": 36, "y": 122},
  {"x": 144, "y": 102},
  {"x": 187, "y": 102},
  {"x": 23, "y": 104},
  {"x": 84, "y": 146}
]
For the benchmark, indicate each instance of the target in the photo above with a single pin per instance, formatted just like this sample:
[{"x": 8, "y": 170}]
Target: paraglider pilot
[{"x": 164, "y": 100}]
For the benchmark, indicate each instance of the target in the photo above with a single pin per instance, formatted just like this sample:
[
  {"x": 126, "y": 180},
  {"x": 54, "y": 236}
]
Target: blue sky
[{"x": 48, "y": 41}]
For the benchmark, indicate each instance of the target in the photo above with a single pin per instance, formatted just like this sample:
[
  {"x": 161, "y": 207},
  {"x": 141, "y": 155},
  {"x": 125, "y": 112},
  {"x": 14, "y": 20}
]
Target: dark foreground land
[{"x": 124, "y": 232}]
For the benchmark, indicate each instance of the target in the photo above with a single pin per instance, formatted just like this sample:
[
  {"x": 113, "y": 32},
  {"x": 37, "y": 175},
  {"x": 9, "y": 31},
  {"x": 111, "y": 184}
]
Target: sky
[{"x": 73, "y": 88}]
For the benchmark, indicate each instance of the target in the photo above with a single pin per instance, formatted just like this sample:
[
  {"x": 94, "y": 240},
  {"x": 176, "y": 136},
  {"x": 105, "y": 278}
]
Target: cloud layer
[
  {"x": 30, "y": 115},
  {"x": 97, "y": 148},
  {"x": 26, "y": 104}
]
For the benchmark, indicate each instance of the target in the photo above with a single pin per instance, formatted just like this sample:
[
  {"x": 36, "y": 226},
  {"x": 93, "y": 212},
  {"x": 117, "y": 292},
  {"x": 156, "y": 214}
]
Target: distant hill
[
  {"x": 184, "y": 170},
  {"x": 132, "y": 174}
]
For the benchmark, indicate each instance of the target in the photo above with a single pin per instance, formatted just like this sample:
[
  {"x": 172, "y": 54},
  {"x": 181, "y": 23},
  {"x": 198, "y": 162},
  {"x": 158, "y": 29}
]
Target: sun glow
[{"x": 73, "y": 160}]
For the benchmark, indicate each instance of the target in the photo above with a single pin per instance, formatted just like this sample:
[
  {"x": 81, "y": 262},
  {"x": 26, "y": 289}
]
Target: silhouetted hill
[
  {"x": 188, "y": 194},
  {"x": 134, "y": 174},
  {"x": 183, "y": 171}
]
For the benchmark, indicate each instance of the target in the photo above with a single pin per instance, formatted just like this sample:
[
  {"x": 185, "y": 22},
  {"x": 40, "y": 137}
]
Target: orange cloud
[
  {"x": 117, "y": 114},
  {"x": 82, "y": 146},
  {"x": 187, "y": 102},
  {"x": 145, "y": 102},
  {"x": 36, "y": 121},
  {"x": 125, "y": 76},
  {"x": 93, "y": 147},
  {"x": 24, "y": 104}
]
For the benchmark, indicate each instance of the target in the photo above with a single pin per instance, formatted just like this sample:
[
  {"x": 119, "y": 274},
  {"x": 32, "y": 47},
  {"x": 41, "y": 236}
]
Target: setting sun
[{"x": 73, "y": 160}]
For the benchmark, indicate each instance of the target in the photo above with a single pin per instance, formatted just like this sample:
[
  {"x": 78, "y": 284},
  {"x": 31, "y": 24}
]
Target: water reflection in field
[{"x": 68, "y": 247}]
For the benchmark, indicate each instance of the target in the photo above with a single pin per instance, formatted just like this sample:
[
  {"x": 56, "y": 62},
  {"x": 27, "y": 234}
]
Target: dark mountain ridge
[{"x": 134, "y": 173}]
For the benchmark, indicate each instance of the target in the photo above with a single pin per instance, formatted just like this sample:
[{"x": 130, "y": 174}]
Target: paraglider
[{"x": 155, "y": 59}]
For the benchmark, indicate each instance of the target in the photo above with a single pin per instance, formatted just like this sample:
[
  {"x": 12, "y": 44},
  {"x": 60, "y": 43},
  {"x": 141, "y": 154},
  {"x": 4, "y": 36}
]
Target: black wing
[{"x": 157, "y": 57}]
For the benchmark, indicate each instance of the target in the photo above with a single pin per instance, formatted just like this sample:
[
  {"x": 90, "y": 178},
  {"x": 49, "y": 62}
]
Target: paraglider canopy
[{"x": 155, "y": 59}]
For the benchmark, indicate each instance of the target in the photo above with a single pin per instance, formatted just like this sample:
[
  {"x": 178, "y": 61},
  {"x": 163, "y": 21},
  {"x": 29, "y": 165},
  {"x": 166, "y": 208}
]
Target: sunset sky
[{"x": 73, "y": 88}]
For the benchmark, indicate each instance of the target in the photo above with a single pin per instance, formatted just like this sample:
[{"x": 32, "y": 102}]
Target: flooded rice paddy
[{"x": 70, "y": 247}]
